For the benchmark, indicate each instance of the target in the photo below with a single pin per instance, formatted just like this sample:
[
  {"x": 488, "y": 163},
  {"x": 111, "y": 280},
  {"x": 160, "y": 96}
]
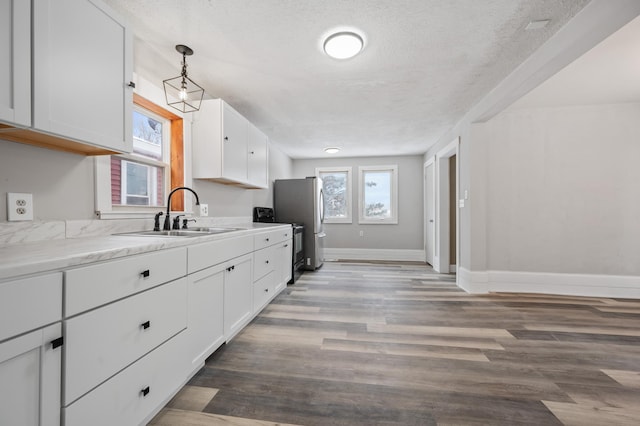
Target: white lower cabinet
[
  {"x": 137, "y": 393},
  {"x": 238, "y": 294},
  {"x": 205, "y": 324},
  {"x": 30, "y": 373},
  {"x": 285, "y": 259},
  {"x": 102, "y": 342}
]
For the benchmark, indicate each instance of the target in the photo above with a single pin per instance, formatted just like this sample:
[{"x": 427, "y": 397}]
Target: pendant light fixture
[{"x": 181, "y": 92}]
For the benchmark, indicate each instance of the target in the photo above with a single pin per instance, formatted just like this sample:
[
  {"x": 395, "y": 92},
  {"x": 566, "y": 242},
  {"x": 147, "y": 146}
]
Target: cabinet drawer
[
  {"x": 204, "y": 255},
  {"x": 96, "y": 285},
  {"x": 100, "y": 343},
  {"x": 121, "y": 400},
  {"x": 29, "y": 303},
  {"x": 263, "y": 291},
  {"x": 264, "y": 261},
  {"x": 266, "y": 239}
]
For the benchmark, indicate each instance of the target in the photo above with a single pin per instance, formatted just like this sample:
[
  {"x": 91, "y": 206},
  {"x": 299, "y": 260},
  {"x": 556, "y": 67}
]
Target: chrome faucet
[{"x": 167, "y": 219}]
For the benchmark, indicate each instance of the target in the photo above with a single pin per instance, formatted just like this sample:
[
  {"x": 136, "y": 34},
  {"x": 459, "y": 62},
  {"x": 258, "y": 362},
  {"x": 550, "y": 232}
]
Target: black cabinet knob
[
  {"x": 145, "y": 325},
  {"x": 266, "y": 290},
  {"x": 145, "y": 391},
  {"x": 145, "y": 274},
  {"x": 266, "y": 261},
  {"x": 266, "y": 239}
]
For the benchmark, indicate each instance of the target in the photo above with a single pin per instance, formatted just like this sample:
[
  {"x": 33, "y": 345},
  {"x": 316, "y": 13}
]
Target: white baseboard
[
  {"x": 374, "y": 254},
  {"x": 549, "y": 283}
]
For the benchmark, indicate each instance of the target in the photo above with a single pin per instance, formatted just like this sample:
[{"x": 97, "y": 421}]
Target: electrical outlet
[
  {"x": 19, "y": 206},
  {"x": 204, "y": 209},
  {"x": 362, "y": 233}
]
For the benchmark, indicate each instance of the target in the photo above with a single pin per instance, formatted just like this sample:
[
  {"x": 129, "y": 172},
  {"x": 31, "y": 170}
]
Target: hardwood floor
[{"x": 365, "y": 344}]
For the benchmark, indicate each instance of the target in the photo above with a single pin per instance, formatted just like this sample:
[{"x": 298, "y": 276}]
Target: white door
[
  {"x": 82, "y": 65},
  {"x": 257, "y": 161},
  {"x": 15, "y": 66},
  {"x": 234, "y": 144},
  {"x": 430, "y": 212},
  {"x": 30, "y": 374}
]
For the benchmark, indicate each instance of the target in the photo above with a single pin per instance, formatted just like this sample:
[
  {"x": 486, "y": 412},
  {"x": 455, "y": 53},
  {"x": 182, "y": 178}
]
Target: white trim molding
[
  {"x": 590, "y": 285},
  {"x": 374, "y": 254}
]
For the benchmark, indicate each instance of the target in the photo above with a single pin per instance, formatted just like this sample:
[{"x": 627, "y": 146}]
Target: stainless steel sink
[
  {"x": 213, "y": 229},
  {"x": 172, "y": 233},
  {"x": 193, "y": 232}
]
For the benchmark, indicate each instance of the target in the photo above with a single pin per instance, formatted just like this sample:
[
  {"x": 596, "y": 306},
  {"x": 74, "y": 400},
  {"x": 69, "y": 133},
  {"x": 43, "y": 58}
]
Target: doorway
[
  {"x": 429, "y": 210},
  {"x": 446, "y": 209}
]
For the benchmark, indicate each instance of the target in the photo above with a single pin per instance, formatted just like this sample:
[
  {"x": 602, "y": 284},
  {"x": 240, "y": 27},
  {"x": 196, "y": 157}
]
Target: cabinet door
[
  {"x": 258, "y": 170},
  {"x": 205, "y": 325},
  {"x": 15, "y": 66},
  {"x": 238, "y": 295},
  {"x": 30, "y": 379},
  {"x": 82, "y": 65},
  {"x": 285, "y": 260},
  {"x": 234, "y": 144}
]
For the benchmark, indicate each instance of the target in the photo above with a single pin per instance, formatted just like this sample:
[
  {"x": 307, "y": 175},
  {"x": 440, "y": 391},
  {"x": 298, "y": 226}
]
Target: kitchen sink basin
[
  {"x": 193, "y": 232},
  {"x": 172, "y": 233},
  {"x": 213, "y": 229}
]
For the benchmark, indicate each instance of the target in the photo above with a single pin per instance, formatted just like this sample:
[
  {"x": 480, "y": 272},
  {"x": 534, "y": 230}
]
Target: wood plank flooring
[{"x": 389, "y": 344}]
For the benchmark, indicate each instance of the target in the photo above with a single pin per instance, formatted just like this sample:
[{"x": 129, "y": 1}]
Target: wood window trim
[{"x": 177, "y": 147}]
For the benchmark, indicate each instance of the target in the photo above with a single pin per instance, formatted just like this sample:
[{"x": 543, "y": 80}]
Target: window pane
[
  {"x": 377, "y": 195},
  {"x": 147, "y": 136},
  {"x": 136, "y": 184},
  {"x": 334, "y": 186}
]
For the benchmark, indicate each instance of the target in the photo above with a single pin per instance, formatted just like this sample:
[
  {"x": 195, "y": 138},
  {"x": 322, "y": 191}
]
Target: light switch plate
[{"x": 19, "y": 207}]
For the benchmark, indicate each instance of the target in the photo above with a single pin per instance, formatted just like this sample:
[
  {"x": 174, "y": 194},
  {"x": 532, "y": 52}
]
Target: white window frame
[
  {"x": 348, "y": 193},
  {"x": 105, "y": 209},
  {"x": 393, "y": 219}
]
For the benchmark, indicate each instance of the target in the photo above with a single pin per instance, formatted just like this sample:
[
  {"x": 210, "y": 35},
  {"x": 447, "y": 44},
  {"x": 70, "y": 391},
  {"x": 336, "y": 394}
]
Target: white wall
[
  {"x": 61, "y": 183},
  {"x": 406, "y": 235},
  {"x": 563, "y": 190}
]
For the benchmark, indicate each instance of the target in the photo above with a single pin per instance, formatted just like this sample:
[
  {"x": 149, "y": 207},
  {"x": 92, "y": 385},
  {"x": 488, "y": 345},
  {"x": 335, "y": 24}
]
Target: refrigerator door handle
[{"x": 321, "y": 206}]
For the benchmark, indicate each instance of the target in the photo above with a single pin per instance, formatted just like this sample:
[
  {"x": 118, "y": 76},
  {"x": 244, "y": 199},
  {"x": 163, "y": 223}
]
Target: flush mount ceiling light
[
  {"x": 181, "y": 92},
  {"x": 331, "y": 150},
  {"x": 343, "y": 45}
]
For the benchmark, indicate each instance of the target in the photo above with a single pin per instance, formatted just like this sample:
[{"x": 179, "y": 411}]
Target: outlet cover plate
[
  {"x": 204, "y": 210},
  {"x": 19, "y": 207}
]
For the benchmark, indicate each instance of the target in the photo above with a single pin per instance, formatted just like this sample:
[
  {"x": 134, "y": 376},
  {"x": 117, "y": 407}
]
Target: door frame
[
  {"x": 441, "y": 261},
  {"x": 430, "y": 162}
]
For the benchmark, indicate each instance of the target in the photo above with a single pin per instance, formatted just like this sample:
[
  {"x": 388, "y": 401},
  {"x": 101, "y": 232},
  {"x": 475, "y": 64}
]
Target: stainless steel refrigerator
[{"x": 301, "y": 201}]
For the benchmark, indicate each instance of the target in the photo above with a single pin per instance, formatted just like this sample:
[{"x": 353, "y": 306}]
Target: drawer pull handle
[
  {"x": 56, "y": 343},
  {"x": 145, "y": 325},
  {"x": 231, "y": 268},
  {"x": 145, "y": 273},
  {"x": 145, "y": 391}
]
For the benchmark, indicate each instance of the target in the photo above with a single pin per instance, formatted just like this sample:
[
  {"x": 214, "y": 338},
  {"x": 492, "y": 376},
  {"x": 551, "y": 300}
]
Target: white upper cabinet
[
  {"x": 65, "y": 75},
  {"x": 82, "y": 65},
  {"x": 234, "y": 144},
  {"x": 258, "y": 144},
  {"x": 15, "y": 66},
  {"x": 223, "y": 142}
]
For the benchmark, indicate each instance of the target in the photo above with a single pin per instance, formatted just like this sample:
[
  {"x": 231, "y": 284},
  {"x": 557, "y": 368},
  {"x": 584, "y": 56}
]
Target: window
[
  {"x": 141, "y": 178},
  {"x": 336, "y": 188},
  {"x": 378, "y": 196},
  {"x": 137, "y": 184}
]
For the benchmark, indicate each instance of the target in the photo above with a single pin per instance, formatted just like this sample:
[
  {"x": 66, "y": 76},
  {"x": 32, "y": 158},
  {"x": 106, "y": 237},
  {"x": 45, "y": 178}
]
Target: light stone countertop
[{"x": 21, "y": 259}]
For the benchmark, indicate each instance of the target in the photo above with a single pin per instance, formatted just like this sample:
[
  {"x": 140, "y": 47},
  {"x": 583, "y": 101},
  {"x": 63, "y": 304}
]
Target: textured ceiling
[
  {"x": 425, "y": 63},
  {"x": 608, "y": 73}
]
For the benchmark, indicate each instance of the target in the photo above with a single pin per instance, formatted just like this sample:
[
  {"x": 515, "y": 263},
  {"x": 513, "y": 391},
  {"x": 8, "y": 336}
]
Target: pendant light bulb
[{"x": 183, "y": 94}]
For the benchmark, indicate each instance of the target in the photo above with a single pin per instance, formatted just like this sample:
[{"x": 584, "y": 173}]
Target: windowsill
[
  {"x": 378, "y": 222},
  {"x": 135, "y": 215}
]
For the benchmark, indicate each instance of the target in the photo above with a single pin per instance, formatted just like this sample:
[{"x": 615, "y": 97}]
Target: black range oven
[{"x": 266, "y": 215}]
